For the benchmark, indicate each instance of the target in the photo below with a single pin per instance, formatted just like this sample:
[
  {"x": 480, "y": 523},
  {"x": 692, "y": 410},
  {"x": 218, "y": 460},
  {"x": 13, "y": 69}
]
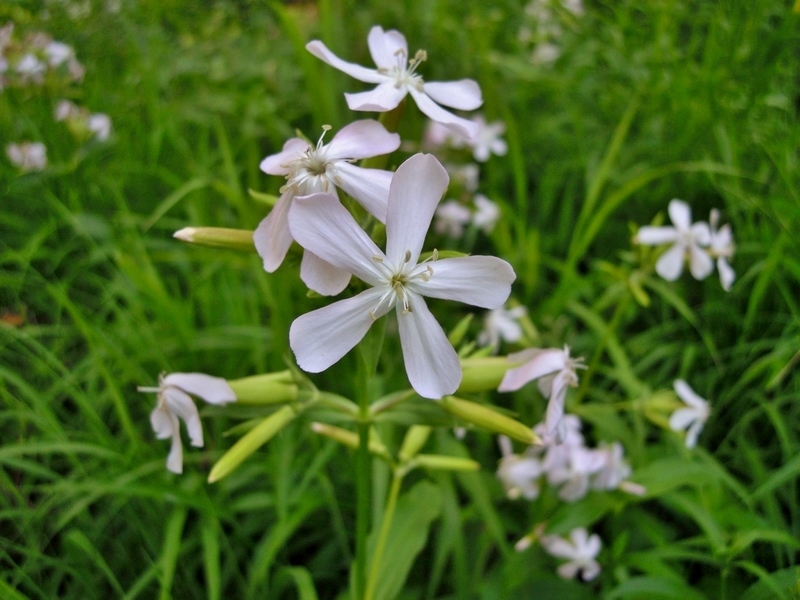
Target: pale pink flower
[
  {"x": 501, "y": 324},
  {"x": 575, "y": 473},
  {"x": 686, "y": 238},
  {"x": 486, "y": 213},
  {"x": 464, "y": 175},
  {"x": 614, "y": 470},
  {"x": 174, "y": 401},
  {"x": 580, "y": 550},
  {"x": 693, "y": 416},
  {"x": 322, "y": 168},
  {"x": 486, "y": 141},
  {"x": 519, "y": 473},
  {"x": 722, "y": 248},
  {"x": 396, "y": 76},
  {"x": 28, "y": 156},
  {"x": 396, "y": 279}
]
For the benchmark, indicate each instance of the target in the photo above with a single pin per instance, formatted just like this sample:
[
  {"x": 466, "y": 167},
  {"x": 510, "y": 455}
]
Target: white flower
[
  {"x": 722, "y": 247},
  {"x": 68, "y": 111},
  {"x": 575, "y": 473},
  {"x": 501, "y": 324},
  {"x": 396, "y": 279},
  {"x": 31, "y": 68},
  {"x": 451, "y": 217},
  {"x": 580, "y": 550},
  {"x": 100, "y": 125},
  {"x": 464, "y": 175},
  {"x": 519, "y": 474},
  {"x": 693, "y": 416},
  {"x": 173, "y": 401},
  {"x": 486, "y": 214},
  {"x": 486, "y": 141},
  {"x": 58, "y": 53},
  {"x": 396, "y": 76},
  {"x": 687, "y": 238},
  {"x": 321, "y": 168},
  {"x": 28, "y": 156},
  {"x": 555, "y": 370},
  {"x": 614, "y": 469}
]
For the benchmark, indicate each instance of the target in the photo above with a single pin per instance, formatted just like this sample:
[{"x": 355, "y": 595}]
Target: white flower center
[
  {"x": 404, "y": 74},
  {"x": 309, "y": 173},
  {"x": 402, "y": 281}
]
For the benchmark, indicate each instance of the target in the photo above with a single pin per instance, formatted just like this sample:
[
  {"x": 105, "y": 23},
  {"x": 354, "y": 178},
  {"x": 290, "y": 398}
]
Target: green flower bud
[
  {"x": 218, "y": 237},
  {"x": 488, "y": 418},
  {"x": 270, "y": 388}
]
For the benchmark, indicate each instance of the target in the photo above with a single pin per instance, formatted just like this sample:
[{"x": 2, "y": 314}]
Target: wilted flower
[
  {"x": 321, "y": 168},
  {"x": 580, "y": 550},
  {"x": 396, "y": 279},
  {"x": 722, "y": 248},
  {"x": 501, "y": 324},
  {"x": 451, "y": 217},
  {"x": 693, "y": 416},
  {"x": 28, "y": 156},
  {"x": 173, "y": 401},
  {"x": 486, "y": 214},
  {"x": 396, "y": 76},
  {"x": 686, "y": 238}
]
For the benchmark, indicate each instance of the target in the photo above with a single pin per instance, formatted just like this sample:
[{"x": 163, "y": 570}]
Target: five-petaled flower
[
  {"x": 722, "y": 248},
  {"x": 693, "y": 416},
  {"x": 173, "y": 401},
  {"x": 396, "y": 279},
  {"x": 321, "y": 168},
  {"x": 580, "y": 550},
  {"x": 396, "y": 76},
  {"x": 686, "y": 238}
]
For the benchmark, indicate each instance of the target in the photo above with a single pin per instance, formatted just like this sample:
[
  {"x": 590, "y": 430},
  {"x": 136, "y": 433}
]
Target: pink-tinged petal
[
  {"x": 383, "y": 98},
  {"x": 322, "y": 225},
  {"x": 175, "y": 456},
  {"x": 688, "y": 395},
  {"x": 362, "y": 139},
  {"x": 701, "y": 233},
  {"x": 682, "y": 418},
  {"x": 214, "y": 390},
  {"x": 320, "y": 50},
  {"x": 670, "y": 264},
  {"x": 543, "y": 363},
  {"x": 680, "y": 214},
  {"x": 726, "y": 273},
  {"x": 417, "y": 186},
  {"x": 180, "y": 403},
  {"x": 432, "y": 365},
  {"x": 162, "y": 424},
  {"x": 272, "y": 237},
  {"x": 370, "y": 187},
  {"x": 483, "y": 281},
  {"x": 555, "y": 405},
  {"x": 464, "y": 94},
  {"x": 653, "y": 236},
  {"x": 700, "y": 263},
  {"x": 384, "y": 47},
  {"x": 459, "y": 125},
  {"x": 321, "y": 276},
  {"x": 278, "y": 164},
  {"x": 322, "y": 337}
]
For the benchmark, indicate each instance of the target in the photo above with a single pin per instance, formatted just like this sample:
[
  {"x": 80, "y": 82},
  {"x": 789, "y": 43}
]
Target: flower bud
[
  {"x": 350, "y": 438},
  {"x": 483, "y": 374},
  {"x": 415, "y": 439},
  {"x": 488, "y": 418},
  {"x": 218, "y": 237},
  {"x": 445, "y": 463},
  {"x": 270, "y": 388}
]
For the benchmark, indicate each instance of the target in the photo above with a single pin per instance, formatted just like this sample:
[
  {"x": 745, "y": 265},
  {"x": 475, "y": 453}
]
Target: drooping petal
[
  {"x": 464, "y": 94},
  {"x": 175, "y": 457},
  {"x": 693, "y": 433},
  {"x": 680, "y": 214},
  {"x": 590, "y": 570},
  {"x": 543, "y": 363},
  {"x": 279, "y": 164},
  {"x": 322, "y": 337},
  {"x": 272, "y": 237},
  {"x": 688, "y": 395},
  {"x": 320, "y": 50},
  {"x": 180, "y": 403},
  {"x": 670, "y": 264},
  {"x": 568, "y": 570},
  {"x": 370, "y": 187},
  {"x": 726, "y": 273},
  {"x": 653, "y": 236},
  {"x": 362, "y": 139},
  {"x": 214, "y": 390},
  {"x": 700, "y": 263},
  {"x": 386, "y": 47},
  {"x": 555, "y": 405},
  {"x": 383, "y": 98},
  {"x": 432, "y": 365},
  {"x": 161, "y": 423},
  {"x": 483, "y": 281},
  {"x": 417, "y": 186},
  {"x": 321, "y": 276},
  {"x": 322, "y": 225},
  {"x": 682, "y": 418},
  {"x": 459, "y": 125}
]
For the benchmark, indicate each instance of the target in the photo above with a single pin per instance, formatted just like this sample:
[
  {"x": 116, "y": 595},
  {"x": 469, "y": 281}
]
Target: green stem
[
  {"x": 363, "y": 475},
  {"x": 383, "y": 536}
]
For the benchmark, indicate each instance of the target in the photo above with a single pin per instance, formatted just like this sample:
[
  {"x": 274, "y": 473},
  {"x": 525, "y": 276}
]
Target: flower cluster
[
  {"x": 698, "y": 242},
  {"x": 30, "y": 61},
  {"x": 81, "y": 122}
]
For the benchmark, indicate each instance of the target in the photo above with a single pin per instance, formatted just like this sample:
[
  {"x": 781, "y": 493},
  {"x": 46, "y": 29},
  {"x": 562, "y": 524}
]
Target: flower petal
[
  {"x": 542, "y": 363},
  {"x": 383, "y": 98},
  {"x": 670, "y": 264},
  {"x": 175, "y": 457},
  {"x": 322, "y": 225},
  {"x": 417, "y": 186},
  {"x": 459, "y": 125},
  {"x": 362, "y": 139},
  {"x": 682, "y": 418},
  {"x": 214, "y": 390},
  {"x": 688, "y": 395},
  {"x": 726, "y": 273},
  {"x": 321, "y": 276},
  {"x": 272, "y": 237},
  {"x": 590, "y": 570},
  {"x": 483, "y": 281},
  {"x": 385, "y": 46},
  {"x": 568, "y": 570},
  {"x": 680, "y": 214},
  {"x": 555, "y": 404},
  {"x": 180, "y": 403},
  {"x": 370, "y": 187},
  {"x": 162, "y": 423},
  {"x": 464, "y": 94},
  {"x": 322, "y": 337},
  {"x": 653, "y": 236},
  {"x": 700, "y": 263},
  {"x": 558, "y": 547},
  {"x": 278, "y": 164},
  {"x": 320, "y": 50},
  {"x": 693, "y": 433},
  {"x": 432, "y": 365}
]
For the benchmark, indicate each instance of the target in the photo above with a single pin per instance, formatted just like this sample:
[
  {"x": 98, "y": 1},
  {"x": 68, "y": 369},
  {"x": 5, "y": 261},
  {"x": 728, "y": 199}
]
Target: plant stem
[
  {"x": 363, "y": 476},
  {"x": 386, "y": 525}
]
